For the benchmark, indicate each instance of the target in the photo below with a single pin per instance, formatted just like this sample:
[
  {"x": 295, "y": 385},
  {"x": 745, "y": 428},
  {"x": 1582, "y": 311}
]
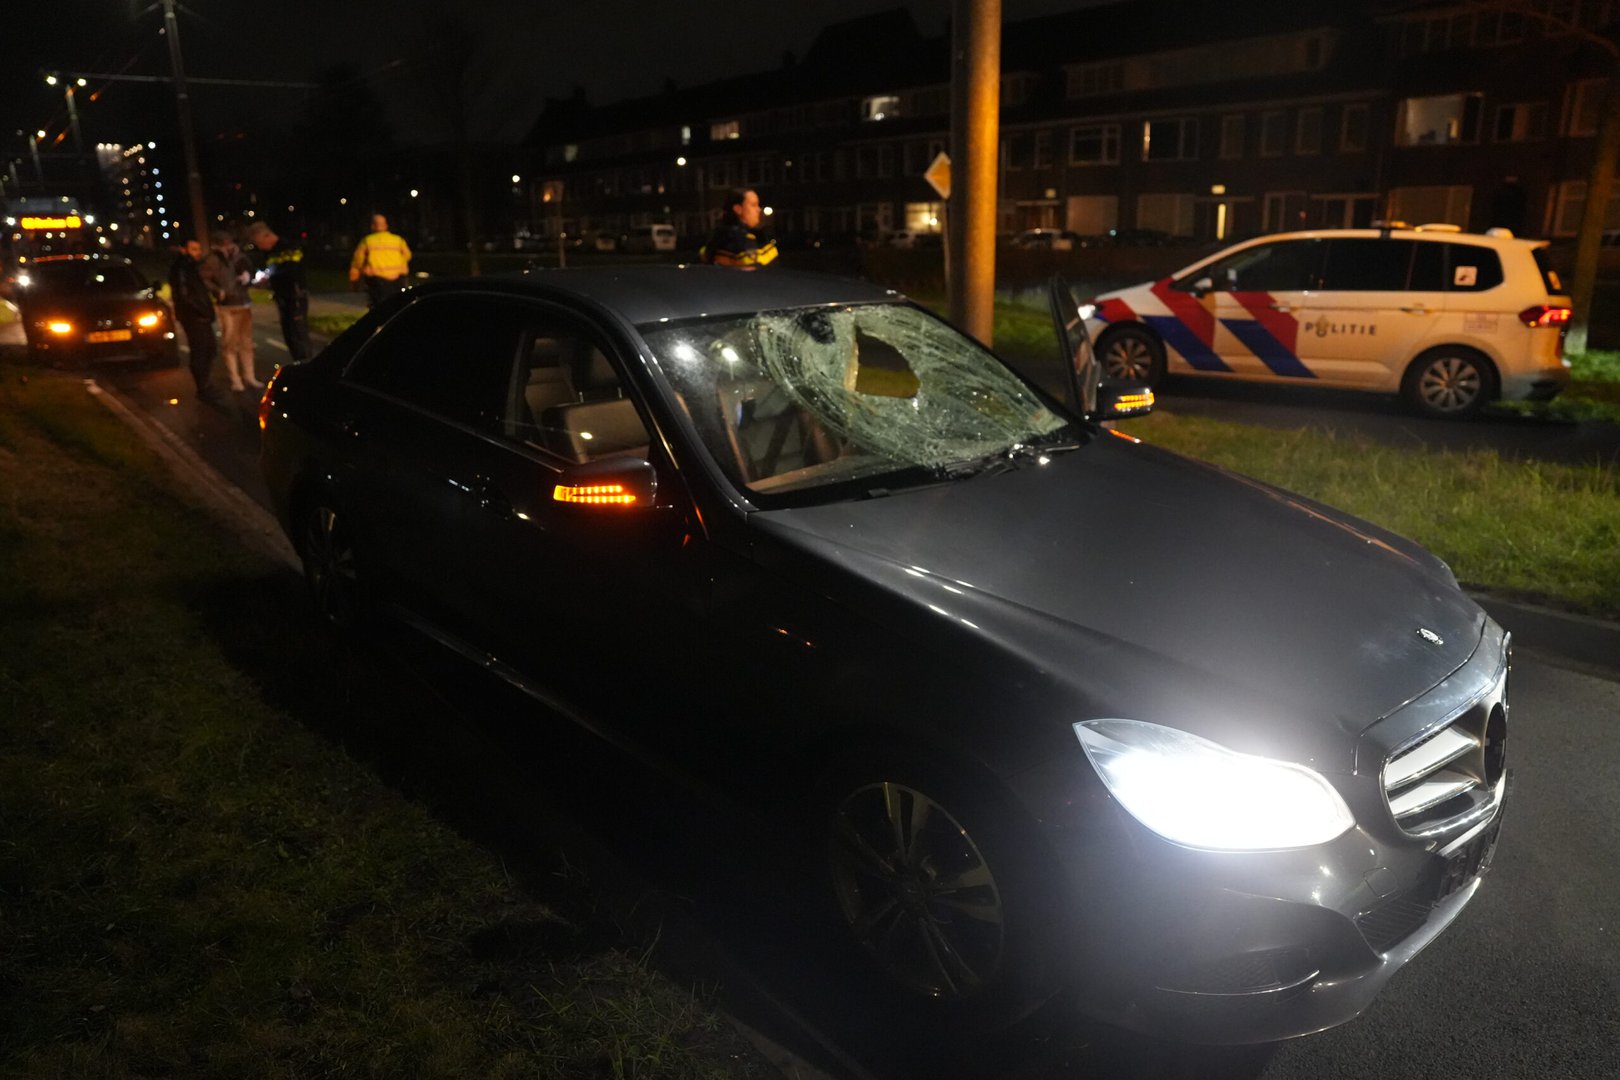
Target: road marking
[{"x": 282, "y": 345}]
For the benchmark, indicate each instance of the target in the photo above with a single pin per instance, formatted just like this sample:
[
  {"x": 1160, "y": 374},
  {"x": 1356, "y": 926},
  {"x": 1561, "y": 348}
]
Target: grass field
[{"x": 201, "y": 873}]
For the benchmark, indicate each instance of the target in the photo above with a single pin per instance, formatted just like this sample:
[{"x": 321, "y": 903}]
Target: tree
[{"x": 1600, "y": 175}]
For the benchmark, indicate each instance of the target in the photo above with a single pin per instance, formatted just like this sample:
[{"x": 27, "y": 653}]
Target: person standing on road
[
  {"x": 383, "y": 259},
  {"x": 194, "y": 311},
  {"x": 227, "y": 271},
  {"x": 736, "y": 242},
  {"x": 283, "y": 271}
]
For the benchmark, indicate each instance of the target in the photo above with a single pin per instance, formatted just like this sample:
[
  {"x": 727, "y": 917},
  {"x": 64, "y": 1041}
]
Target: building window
[
  {"x": 1018, "y": 151},
  {"x": 1431, "y": 205},
  {"x": 881, "y": 107},
  {"x": 1282, "y": 211},
  {"x": 1273, "y": 134},
  {"x": 924, "y": 217},
  {"x": 1170, "y": 213},
  {"x": 1043, "y": 149},
  {"x": 1520, "y": 123},
  {"x": 1089, "y": 80},
  {"x": 1308, "y": 132},
  {"x": 1170, "y": 140},
  {"x": 1353, "y": 129},
  {"x": 1232, "y": 131},
  {"x": 1092, "y": 215},
  {"x": 1096, "y": 144},
  {"x": 1438, "y": 121},
  {"x": 885, "y": 160},
  {"x": 1585, "y": 106},
  {"x": 725, "y": 129},
  {"x": 686, "y": 135},
  {"x": 1570, "y": 203}
]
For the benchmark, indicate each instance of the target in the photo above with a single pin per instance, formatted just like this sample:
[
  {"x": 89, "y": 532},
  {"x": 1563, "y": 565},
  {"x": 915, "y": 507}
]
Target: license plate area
[
  {"x": 96, "y": 337},
  {"x": 1469, "y": 860}
]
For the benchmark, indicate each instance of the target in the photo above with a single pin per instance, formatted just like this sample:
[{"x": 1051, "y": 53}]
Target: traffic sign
[{"x": 938, "y": 174}]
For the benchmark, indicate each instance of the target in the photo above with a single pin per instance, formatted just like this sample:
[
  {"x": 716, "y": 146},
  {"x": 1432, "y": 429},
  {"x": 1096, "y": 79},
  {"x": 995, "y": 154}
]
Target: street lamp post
[{"x": 33, "y": 148}]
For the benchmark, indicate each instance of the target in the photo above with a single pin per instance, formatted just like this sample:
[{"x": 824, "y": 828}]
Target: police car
[{"x": 1449, "y": 320}]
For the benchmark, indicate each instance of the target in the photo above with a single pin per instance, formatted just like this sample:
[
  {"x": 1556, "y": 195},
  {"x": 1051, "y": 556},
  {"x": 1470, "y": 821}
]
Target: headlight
[
  {"x": 1200, "y": 794},
  {"x": 149, "y": 320},
  {"x": 59, "y": 326}
]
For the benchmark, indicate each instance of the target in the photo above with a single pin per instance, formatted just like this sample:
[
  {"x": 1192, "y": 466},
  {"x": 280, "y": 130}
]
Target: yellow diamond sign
[{"x": 938, "y": 174}]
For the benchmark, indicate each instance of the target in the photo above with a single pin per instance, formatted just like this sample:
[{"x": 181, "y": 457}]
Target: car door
[
  {"x": 1081, "y": 372},
  {"x": 419, "y": 398},
  {"x": 1366, "y": 321},
  {"x": 1239, "y": 313},
  {"x": 596, "y": 609}
]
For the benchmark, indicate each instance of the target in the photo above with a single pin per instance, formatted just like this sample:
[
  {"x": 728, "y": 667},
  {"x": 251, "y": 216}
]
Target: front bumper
[{"x": 1250, "y": 947}]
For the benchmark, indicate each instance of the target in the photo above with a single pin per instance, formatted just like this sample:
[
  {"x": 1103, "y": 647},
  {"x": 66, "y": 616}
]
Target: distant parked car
[
  {"x": 93, "y": 307},
  {"x": 1046, "y": 240},
  {"x": 645, "y": 239}
]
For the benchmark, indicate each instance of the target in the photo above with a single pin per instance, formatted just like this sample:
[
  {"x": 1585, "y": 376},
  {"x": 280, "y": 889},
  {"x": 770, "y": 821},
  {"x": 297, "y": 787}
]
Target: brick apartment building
[{"x": 1146, "y": 116}]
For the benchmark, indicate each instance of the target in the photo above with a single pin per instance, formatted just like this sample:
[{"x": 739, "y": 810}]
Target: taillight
[
  {"x": 264, "y": 402},
  {"x": 1544, "y": 315}
]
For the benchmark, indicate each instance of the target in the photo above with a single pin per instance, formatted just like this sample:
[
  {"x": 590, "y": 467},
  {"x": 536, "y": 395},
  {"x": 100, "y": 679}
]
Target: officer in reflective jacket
[
  {"x": 382, "y": 259},
  {"x": 734, "y": 242}
]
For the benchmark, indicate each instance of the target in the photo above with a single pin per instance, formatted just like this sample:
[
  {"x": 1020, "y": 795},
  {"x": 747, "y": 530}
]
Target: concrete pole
[
  {"x": 975, "y": 154},
  {"x": 188, "y": 140}
]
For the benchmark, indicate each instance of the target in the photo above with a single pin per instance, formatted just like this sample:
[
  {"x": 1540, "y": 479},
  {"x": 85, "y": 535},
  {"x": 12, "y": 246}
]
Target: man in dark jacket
[
  {"x": 735, "y": 242},
  {"x": 194, "y": 311},
  {"x": 282, "y": 268}
]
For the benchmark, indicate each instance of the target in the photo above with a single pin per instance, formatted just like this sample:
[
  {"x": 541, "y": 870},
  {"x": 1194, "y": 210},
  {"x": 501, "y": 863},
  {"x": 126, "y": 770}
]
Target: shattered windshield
[{"x": 807, "y": 398}]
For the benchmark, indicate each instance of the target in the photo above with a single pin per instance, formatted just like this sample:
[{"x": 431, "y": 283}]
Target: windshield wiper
[{"x": 1013, "y": 457}]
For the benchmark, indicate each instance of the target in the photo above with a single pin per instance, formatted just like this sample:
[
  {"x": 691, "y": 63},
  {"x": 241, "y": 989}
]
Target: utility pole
[
  {"x": 188, "y": 141},
  {"x": 975, "y": 139}
]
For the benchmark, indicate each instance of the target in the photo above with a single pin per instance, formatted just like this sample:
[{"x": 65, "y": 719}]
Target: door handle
[
  {"x": 1278, "y": 305},
  {"x": 1415, "y": 309},
  {"x": 491, "y": 498}
]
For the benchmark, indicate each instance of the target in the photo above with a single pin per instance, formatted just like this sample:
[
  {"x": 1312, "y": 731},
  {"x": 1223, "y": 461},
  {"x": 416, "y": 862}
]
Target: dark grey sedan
[{"x": 1053, "y": 708}]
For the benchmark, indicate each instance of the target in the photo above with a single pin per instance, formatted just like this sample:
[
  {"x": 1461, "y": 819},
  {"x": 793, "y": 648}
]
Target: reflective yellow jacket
[{"x": 382, "y": 254}]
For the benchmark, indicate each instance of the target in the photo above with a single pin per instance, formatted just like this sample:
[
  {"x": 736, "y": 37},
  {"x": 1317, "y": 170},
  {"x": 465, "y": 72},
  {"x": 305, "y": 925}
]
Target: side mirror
[
  {"x": 609, "y": 485},
  {"x": 1203, "y": 285},
  {"x": 1122, "y": 401}
]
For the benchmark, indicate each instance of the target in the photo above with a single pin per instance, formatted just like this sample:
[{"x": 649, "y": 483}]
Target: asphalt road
[{"x": 1525, "y": 985}]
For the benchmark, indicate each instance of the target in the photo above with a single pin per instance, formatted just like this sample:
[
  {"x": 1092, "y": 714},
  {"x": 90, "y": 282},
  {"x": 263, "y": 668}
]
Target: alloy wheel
[
  {"x": 1128, "y": 358},
  {"x": 916, "y": 891},
  {"x": 1450, "y": 384},
  {"x": 329, "y": 566}
]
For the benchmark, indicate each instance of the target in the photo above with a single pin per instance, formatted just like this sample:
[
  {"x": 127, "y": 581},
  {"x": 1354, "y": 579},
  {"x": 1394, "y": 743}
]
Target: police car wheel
[
  {"x": 1450, "y": 382},
  {"x": 1133, "y": 355}
]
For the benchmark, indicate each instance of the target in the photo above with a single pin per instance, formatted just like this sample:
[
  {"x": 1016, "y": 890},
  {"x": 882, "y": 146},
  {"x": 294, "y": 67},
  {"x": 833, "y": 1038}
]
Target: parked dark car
[
  {"x": 78, "y": 308},
  {"x": 1052, "y": 707}
]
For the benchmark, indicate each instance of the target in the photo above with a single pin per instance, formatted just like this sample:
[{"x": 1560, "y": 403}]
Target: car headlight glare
[
  {"x": 1200, "y": 794},
  {"x": 59, "y": 326},
  {"x": 148, "y": 320}
]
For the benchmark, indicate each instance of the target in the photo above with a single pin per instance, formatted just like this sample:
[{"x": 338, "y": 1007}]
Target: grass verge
[
  {"x": 1531, "y": 529},
  {"x": 1593, "y": 392},
  {"x": 196, "y": 878}
]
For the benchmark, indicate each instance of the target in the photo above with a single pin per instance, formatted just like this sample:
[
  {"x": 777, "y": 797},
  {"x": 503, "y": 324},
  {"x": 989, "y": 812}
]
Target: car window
[
  {"x": 1428, "y": 267},
  {"x": 1367, "y": 264},
  {"x": 565, "y": 395},
  {"x": 1282, "y": 266},
  {"x": 1473, "y": 268},
  {"x": 447, "y": 355},
  {"x": 1549, "y": 276},
  {"x": 86, "y": 276},
  {"x": 806, "y": 401}
]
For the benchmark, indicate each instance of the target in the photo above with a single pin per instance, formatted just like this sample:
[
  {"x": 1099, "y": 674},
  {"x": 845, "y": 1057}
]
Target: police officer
[
  {"x": 282, "y": 268},
  {"x": 735, "y": 242},
  {"x": 383, "y": 259}
]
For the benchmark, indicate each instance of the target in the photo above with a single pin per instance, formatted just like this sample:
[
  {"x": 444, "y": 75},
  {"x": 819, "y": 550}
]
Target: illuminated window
[
  {"x": 1095, "y": 144},
  {"x": 725, "y": 129},
  {"x": 1441, "y": 120},
  {"x": 881, "y": 107}
]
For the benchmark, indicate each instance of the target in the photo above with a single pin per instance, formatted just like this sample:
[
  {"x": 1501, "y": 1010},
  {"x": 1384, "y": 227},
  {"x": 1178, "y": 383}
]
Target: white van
[
  {"x": 1449, "y": 320},
  {"x": 648, "y": 238}
]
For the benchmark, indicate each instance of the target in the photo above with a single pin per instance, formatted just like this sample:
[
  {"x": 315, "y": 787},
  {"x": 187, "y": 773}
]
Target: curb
[
  {"x": 251, "y": 521},
  {"x": 1589, "y": 644}
]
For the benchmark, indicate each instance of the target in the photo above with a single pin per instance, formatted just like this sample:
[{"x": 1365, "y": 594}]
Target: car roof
[
  {"x": 94, "y": 257},
  {"x": 647, "y": 294},
  {"x": 1421, "y": 232}
]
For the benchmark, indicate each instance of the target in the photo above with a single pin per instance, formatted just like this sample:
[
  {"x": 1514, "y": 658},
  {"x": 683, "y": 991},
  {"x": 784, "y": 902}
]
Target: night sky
[{"x": 534, "y": 48}]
